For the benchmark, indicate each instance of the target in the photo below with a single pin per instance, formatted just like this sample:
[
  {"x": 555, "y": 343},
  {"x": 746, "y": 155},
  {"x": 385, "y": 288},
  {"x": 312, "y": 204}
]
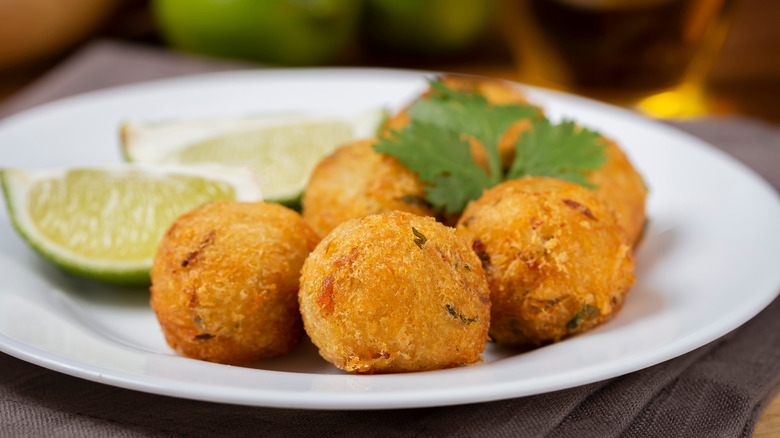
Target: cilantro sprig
[
  {"x": 472, "y": 114},
  {"x": 436, "y": 146},
  {"x": 562, "y": 151},
  {"x": 442, "y": 158}
]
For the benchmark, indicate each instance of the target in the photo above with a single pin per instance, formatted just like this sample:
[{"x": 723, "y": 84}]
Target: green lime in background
[
  {"x": 285, "y": 32},
  {"x": 426, "y": 27}
]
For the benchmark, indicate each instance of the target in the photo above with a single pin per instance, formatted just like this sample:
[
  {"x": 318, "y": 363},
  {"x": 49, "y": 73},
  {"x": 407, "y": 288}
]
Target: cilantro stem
[{"x": 496, "y": 173}]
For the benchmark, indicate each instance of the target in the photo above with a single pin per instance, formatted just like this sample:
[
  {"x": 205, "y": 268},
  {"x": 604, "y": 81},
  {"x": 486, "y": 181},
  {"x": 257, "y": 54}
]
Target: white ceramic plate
[{"x": 708, "y": 262}]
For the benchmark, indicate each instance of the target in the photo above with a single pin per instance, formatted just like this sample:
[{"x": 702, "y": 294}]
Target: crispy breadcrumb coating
[
  {"x": 622, "y": 188},
  {"x": 556, "y": 260},
  {"x": 395, "y": 292},
  {"x": 225, "y": 281}
]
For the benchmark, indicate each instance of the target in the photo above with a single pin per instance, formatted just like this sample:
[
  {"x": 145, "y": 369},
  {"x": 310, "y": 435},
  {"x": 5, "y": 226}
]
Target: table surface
[{"x": 745, "y": 81}]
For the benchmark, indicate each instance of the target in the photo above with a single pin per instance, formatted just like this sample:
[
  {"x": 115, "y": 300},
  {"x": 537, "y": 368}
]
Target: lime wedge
[
  {"x": 105, "y": 223},
  {"x": 281, "y": 150}
]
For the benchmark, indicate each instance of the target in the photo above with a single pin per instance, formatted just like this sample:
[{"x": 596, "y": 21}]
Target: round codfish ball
[
  {"x": 622, "y": 188},
  {"x": 556, "y": 260},
  {"x": 395, "y": 292},
  {"x": 356, "y": 181},
  {"x": 225, "y": 281}
]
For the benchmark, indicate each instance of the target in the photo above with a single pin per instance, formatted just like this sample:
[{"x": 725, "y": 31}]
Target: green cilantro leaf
[
  {"x": 440, "y": 157},
  {"x": 561, "y": 151},
  {"x": 471, "y": 114}
]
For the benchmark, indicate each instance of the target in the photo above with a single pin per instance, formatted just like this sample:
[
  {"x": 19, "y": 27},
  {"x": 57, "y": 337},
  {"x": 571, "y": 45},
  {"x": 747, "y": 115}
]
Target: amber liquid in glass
[{"x": 617, "y": 50}]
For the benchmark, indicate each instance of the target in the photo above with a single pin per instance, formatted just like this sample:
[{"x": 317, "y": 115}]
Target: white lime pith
[
  {"x": 281, "y": 150},
  {"x": 105, "y": 223}
]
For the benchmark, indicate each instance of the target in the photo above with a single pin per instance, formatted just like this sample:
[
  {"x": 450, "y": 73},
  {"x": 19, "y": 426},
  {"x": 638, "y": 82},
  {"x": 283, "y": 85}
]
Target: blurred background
[{"x": 740, "y": 73}]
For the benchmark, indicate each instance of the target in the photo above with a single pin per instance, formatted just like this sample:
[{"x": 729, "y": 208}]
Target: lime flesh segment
[
  {"x": 106, "y": 225},
  {"x": 282, "y": 149},
  {"x": 115, "y": 217},
  {"x": 282, "y": 156}
]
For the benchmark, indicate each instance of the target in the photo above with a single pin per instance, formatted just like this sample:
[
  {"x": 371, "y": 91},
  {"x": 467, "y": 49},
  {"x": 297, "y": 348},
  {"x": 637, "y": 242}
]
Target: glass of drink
[{"x": 653, "y": 55}]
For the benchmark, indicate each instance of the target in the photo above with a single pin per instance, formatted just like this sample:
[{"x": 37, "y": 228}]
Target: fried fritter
[
  {"x": 225, "y": 281},
  {"x": 622, "y": 188},
  {"x": 556, "y": 260},
  {"x": 356, "y": 181},
  {"x": 395, "y": 292}
]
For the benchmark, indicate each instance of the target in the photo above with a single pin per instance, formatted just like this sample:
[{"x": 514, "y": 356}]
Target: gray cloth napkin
[{"x": 718, "y": 390}]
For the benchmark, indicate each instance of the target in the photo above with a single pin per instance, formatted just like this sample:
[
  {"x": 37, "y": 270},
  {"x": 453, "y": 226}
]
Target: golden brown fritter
[
  {"x": 225, "y": 281},
  {"x": 356, "y": 181},
  {"x": 622, "y": 188},
  {"x": 395, "y": 292},
  {"x": 556, "y": 260}
]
